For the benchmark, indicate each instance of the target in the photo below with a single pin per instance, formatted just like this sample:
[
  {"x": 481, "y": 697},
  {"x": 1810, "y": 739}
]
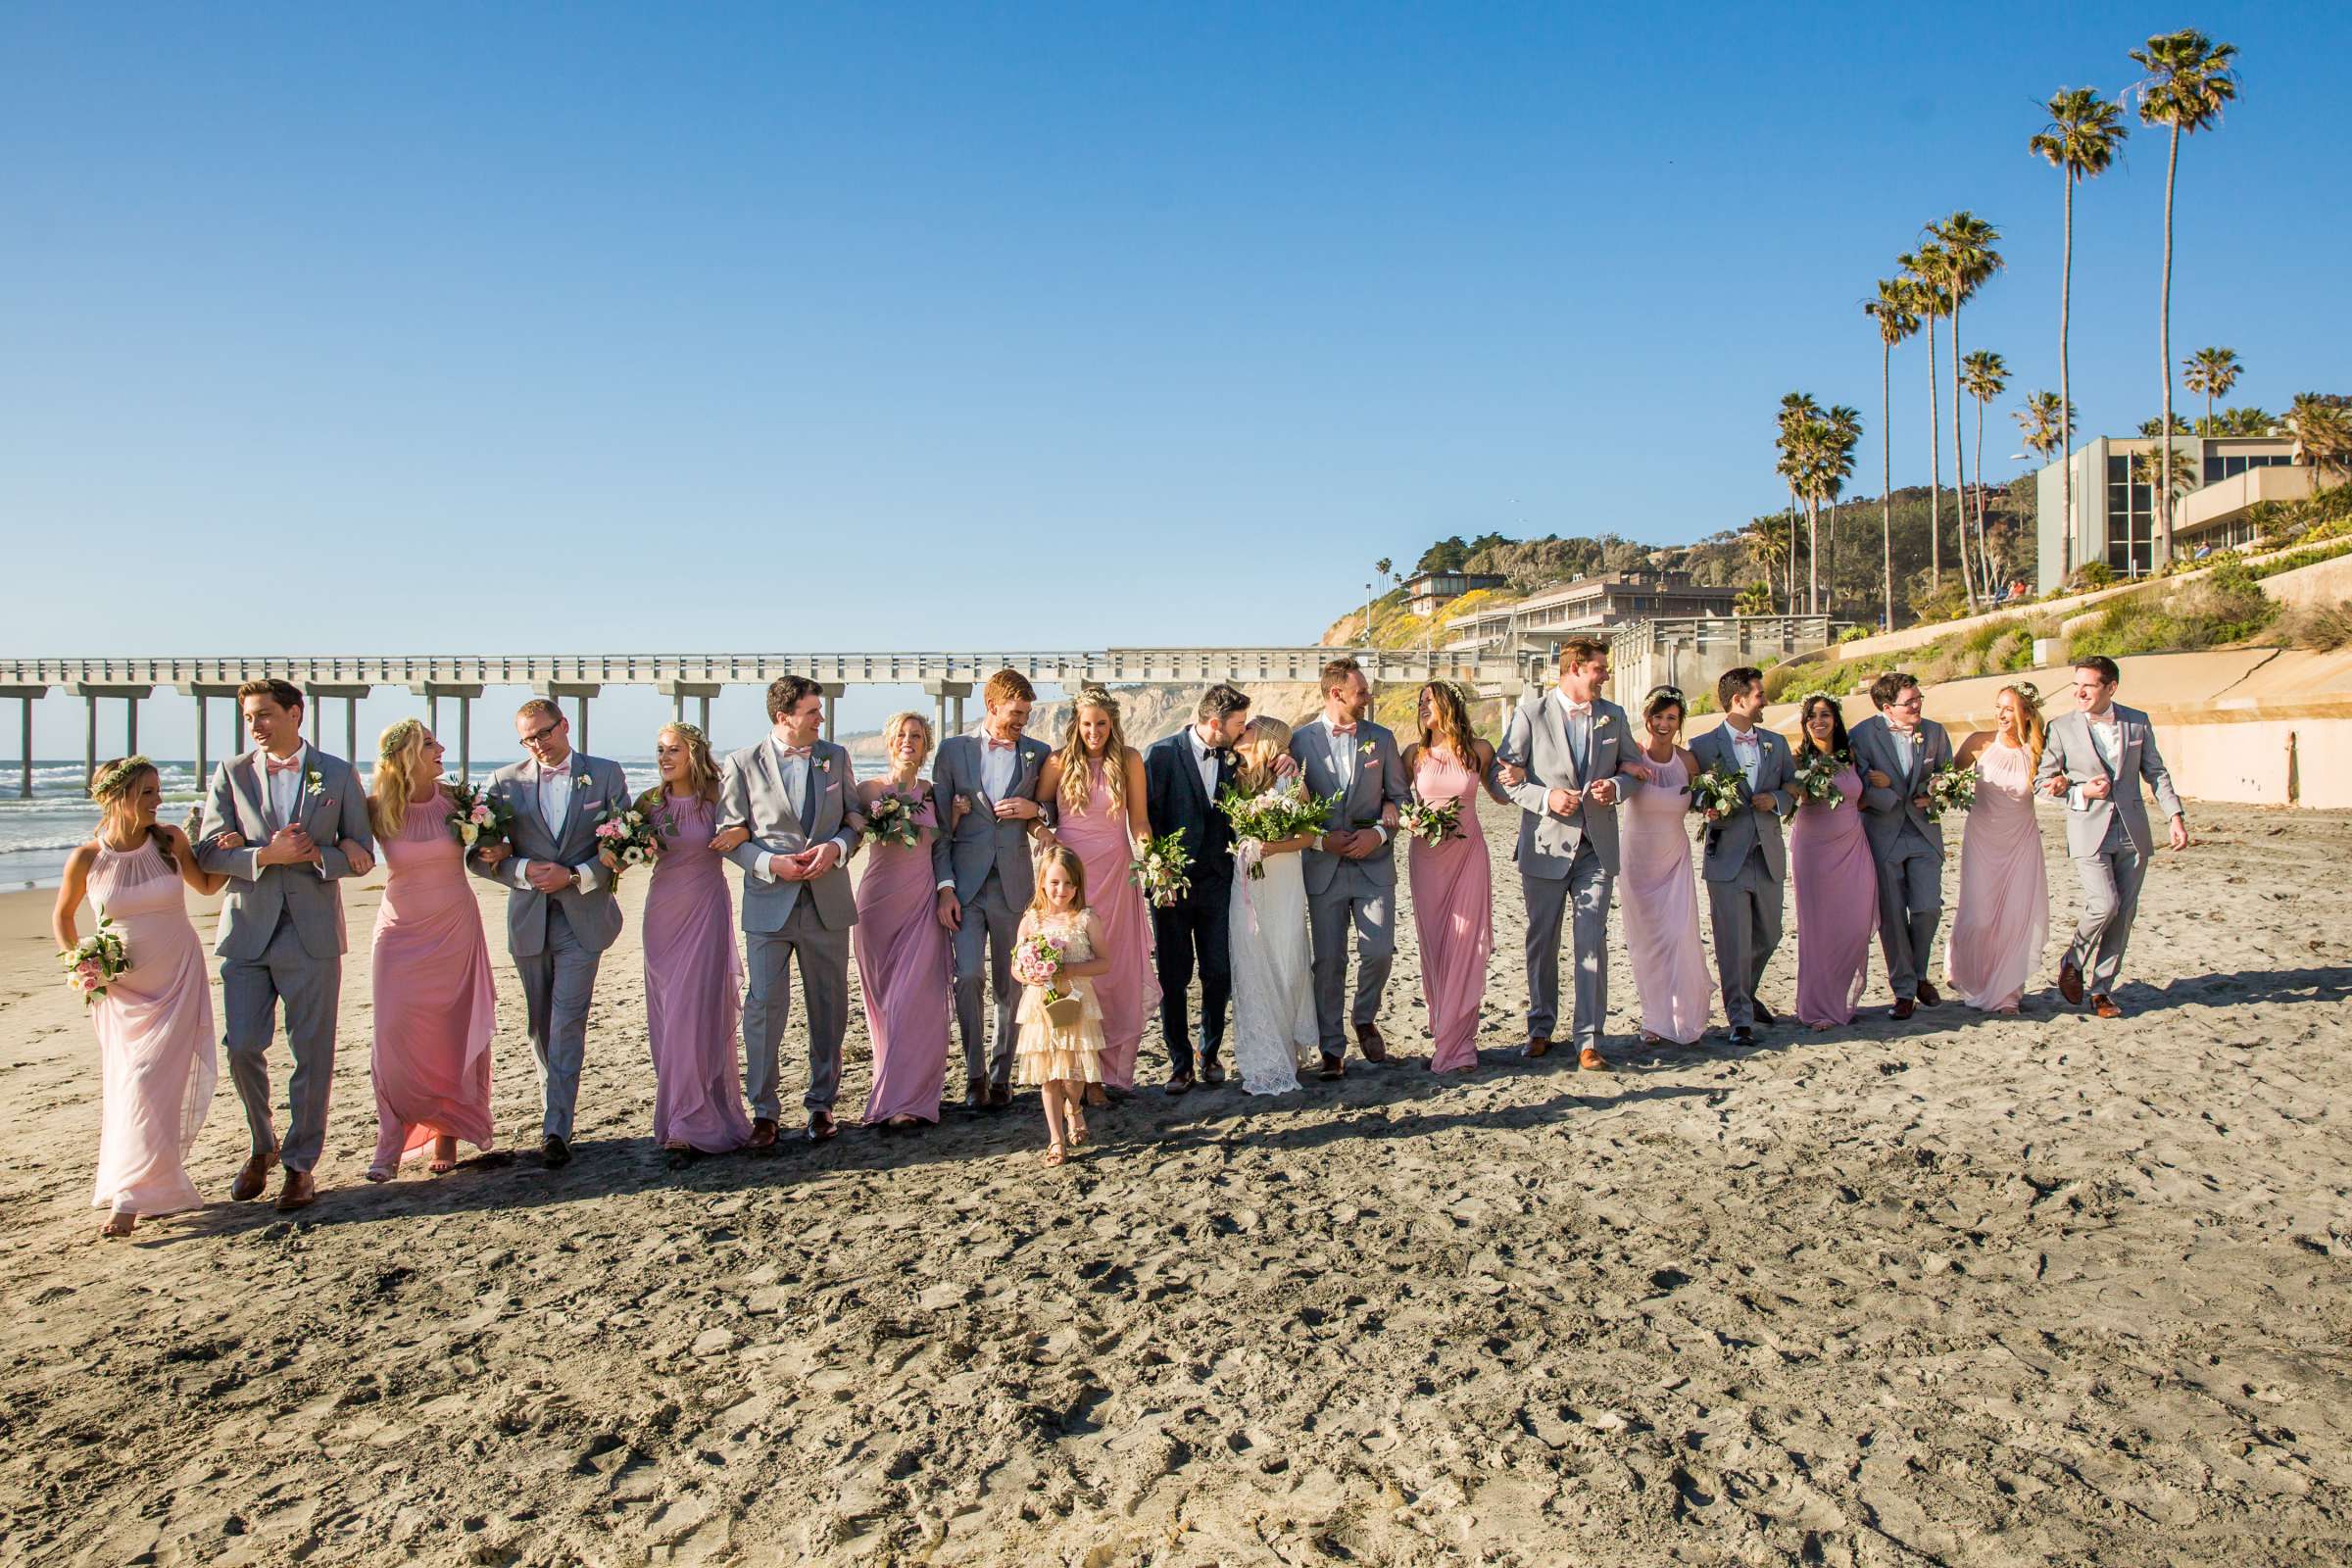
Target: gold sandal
[{"x": 1055, "y": 1154}]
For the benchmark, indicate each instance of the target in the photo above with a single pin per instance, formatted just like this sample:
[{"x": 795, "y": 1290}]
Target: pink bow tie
[
  {"x": 996, "y": 745},
  {"x": 791, "y": 752},
  {"x": 286, "y": 767},
  {"x": 1580, "y": 710},
  {"x": 561, "y": 770},
  {"x": 1748, "y": 740},
  {"x": 1342, "y": 729}
]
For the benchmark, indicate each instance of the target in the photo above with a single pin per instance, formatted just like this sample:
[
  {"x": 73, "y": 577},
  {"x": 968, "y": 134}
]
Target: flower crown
[
  {"x": 111, "y": 779},
  {"x": 691, "y": 732},
  {"x": 1806, "y": 701},
  {"x": 1091, "y": 696},
  {"x": 2028, "y": 690}
]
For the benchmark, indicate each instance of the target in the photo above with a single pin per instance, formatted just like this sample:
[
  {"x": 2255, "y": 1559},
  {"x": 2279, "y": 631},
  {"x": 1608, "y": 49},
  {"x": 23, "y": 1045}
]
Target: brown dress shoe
[
  {"x": 299, "y": 1192},
  {"x": 1762, "y": 1014},
  {"x": 999, "y": 1097},
  {"x": 764, "y": 1134},
  {"x": 1211, "y": 1074},
  {"x": 1368, "y": 1041},
  {"x": 2105, "y": 1008},
  {"x": 1903, "y": 1007},
  {"x": 975, "y": 1094},
  {"x": 253, "y": 1176},
  {"x": 2069, "y": 984},
  {"x": 821, "y": 1127},
  {"x": 1928, "y": 996},
  {"x": 1537, "y": 1045},
  {"x": 1590, "y": 1060},
  {"x": 1332, "y": 1070}
]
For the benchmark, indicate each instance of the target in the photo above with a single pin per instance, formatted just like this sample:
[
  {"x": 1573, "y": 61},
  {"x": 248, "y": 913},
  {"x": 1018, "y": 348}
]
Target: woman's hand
[
  {"x": 729, "y": 840},
  {"x": 958, "y": 813},
  {"x": 1641, "y": 770},
  {"x": 230, "y": 841},
  {"x": 1510, "y": 776},
  {"x": 492, "y": 854},
  {"x": 356, "y": 855},
  {"x": 605, "y": 855},
  {"x": 1878, "y": 780}
]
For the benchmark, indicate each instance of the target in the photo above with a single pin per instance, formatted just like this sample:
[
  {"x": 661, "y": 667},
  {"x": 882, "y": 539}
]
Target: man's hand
[
  {"x": 289, "y": 846},
  {"x": 786, "y": 867},
  {"x": 1877, "y": 780},
  {"x": 1603, "y": 792},
  {"x": 1765, "y": 801},
  {"x": 547, "y": 876},
  {"x": 1920, "y": 801},
  {"x": 1563, "y": 802},
  {"x": 1019, "y": 808},
  {"x": 824, "y": 857},
  {"x": 950, "y": 910},
  {"x": 1338, "y": 841},
  {"x": 2180, "y": 835},
  {"x": 361, "y": 862},
  {"x": 491, "y": 854},
  {"x": 1285, "y": 766},
  {"x": 2097, "y": 789}
]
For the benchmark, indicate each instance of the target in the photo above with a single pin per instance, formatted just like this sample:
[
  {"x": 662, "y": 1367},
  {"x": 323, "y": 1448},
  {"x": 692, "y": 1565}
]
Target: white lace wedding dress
[{"x": 1273, "y": 975}]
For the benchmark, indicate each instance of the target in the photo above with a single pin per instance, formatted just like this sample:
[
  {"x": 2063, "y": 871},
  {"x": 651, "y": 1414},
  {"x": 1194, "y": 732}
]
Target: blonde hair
[
  {"x": 1263, "y": 739},
  {"x": 702, "y": 768},
  {"x": 1064, "y": 856},
  {"x": 112, "y": 787},
  {"x": 1451, "y": 724},
  {"x": 397, "y": 750},
  {"x": 2035, "y": 731},
  {"x": 1075, "y": 786},
  {"x": 897, "y": 723}
]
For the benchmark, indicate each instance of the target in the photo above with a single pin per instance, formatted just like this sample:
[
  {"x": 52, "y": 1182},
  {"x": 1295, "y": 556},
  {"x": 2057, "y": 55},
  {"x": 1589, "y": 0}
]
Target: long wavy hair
[
  {"x": 1449, "y": 723},
  {"x": 1804, "y": 717},
  {"x": 1264, "y": 740},
  {"x": 114, "y": 784},
  {"x": 2033, "y": 730},
  {"x": 398, "y": 750},
  {"x": 894, "y": 726},
  {"x": 702, "y": 768},
  {"x": 1076, "y": 785}
]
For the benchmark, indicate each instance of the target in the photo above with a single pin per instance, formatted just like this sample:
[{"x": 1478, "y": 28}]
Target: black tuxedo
[{"x": 1195, "y": 925}]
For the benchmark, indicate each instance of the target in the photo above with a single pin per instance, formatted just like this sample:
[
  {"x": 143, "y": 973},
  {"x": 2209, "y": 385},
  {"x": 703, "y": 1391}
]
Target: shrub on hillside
[
  {"x": 2225, "y": 606},
  {"x": 2323, "y": 628}
]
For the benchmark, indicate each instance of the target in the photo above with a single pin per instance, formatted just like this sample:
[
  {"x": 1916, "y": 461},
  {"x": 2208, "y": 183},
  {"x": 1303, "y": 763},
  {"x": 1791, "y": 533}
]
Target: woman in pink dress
[
  {"x": 905, "y": 964},
  {"x": 1453, "y": 882},
  {"x": 1098, "y": 781},
  {"x": 436, "y": 1010},
  {"x": 693, "y": 973},
  {"x": 1837, "y": 881},
  {"x": 1653, "y": 879},
  {"x": 2004, "y": 910},
  {"x": 154, "y": 1020}
]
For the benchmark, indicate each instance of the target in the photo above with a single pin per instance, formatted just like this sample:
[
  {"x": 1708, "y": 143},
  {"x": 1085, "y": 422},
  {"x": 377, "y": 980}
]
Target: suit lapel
[
  {"x": 1557, "y": 713},
  {"x": 247, "y": 775}
]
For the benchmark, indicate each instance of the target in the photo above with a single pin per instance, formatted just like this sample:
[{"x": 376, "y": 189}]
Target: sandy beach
[{"x": 1964, "y": 1290}]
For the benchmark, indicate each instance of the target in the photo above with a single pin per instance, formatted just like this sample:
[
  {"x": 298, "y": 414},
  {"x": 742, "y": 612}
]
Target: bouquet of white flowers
[
  {"x": 1431, "y": 822},
  {"x": 1951, "y": 788},
  {"x": 1161, "y": 870},
  {"x": 891, "y": 820},
  {"x": 626, "y": 839},
  {"x": 1715, "y": 793},
  {"x": 95, "y": 961},
  {"x": 477, "y": 817},
  {"x": 1262, "y": 819},
  {"x": 1816, "y": 775}
]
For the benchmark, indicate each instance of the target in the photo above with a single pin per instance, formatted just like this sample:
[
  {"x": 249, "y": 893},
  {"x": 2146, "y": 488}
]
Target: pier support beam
[
  {"x": 89, "y": 692},
  {"x": 351, "y": 695},
  {"x": 432, "y": 691},
  {"x": 25, "y": 696},
  {"x": 565, "y": 691},
  {"x": 943, "y": 692},
  {"x": 677, "y": 691},
  {"x": 204, "y": 692}
]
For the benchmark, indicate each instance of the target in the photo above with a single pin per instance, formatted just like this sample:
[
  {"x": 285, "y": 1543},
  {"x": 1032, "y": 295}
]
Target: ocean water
[{"x": 36, "y": 835}]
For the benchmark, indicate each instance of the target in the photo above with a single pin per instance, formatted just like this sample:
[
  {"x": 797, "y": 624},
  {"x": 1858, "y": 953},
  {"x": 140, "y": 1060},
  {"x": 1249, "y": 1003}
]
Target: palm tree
[
  {"x": 2322, "y": 431},
  {"x": 1929, "y": 301},
  {"x": 1986, "y": 376},
  {"x": 1845, "y": 431},
  {"x": 1797, "y": 410},
  {"x": 2188, "y": 82},
  {"x": 1969, "y": 260},
  {"x": 1890, "y": 308},
  {"x": 2046, "y": 429},
  {"x": 2081, "y": 141},
  {"x": 2213, "y": 372}
]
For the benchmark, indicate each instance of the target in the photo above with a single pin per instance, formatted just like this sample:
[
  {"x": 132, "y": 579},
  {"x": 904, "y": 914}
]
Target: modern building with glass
[{"x": 2220, "y": 480}]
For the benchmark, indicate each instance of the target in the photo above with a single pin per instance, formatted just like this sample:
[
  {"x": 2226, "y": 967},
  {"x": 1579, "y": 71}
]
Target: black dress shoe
[
  {"x": 555, "y": 1152},
  {"x": 1180, "y": 1084},
  {"x": 1744, "y": 1036},
  {"x": 1903, "y": 1007},
  {"x": 1333, "y": 1069},
  {"x": 821, "y": 1127},
  {"x": 999, "y": 1097},
  {"x": 1211, "y": 1073},
  {"x": 1762, "y": 1014}
]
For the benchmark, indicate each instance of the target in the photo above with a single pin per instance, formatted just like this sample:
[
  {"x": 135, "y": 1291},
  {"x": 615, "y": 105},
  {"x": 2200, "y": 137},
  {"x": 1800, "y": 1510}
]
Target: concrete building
[
  {"x": 1425, "y": 591},
  {"x": 1588, "y": 604},
  {"x": 2115, "y": 517}
]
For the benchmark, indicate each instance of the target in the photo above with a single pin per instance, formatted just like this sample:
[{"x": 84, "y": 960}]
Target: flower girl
[{"x": 1060, "y": 1044}]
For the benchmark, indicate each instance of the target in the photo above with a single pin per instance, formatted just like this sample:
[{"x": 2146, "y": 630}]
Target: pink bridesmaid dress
[
  {"x": 436, "y": 1010},
  {"x": 1453, "y": 914},
  {"x": 2004, "y": 912},
  {"x": 155, "y": 1037},
  {"x": 693, "y": 985},
  {"x": 1837, "y": 903},
  {"x": 1129, "y": 991},
  {"x": 1661, "y": 905},
  {"x": 908, "y": 972}
]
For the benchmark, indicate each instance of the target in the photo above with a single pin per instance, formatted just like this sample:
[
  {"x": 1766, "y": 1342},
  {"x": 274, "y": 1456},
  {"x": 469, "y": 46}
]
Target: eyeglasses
[
  {"x": 533, "y": 737},
  {"x": 1912, "y": 700}
]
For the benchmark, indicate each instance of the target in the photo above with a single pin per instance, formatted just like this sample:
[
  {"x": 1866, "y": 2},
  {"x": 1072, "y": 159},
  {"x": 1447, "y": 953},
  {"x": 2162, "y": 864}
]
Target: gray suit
[
  {"x": 1745, "y": 867},
  {"x": 1566, "y": 860},
  {"x": 1906, "y": 845},
  {"x": 558, "y": 939},
  {"x": 987, "y": 861},
  {"x": 281, "y": 938},
  {"x": 1342, "y": 893},
  {"x": 785, "y": 920},
  {"x": 2110, "y": 840}
]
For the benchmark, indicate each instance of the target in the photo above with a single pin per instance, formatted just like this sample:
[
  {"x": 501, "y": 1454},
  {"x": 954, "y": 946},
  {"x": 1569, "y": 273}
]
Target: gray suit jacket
[
  {"x": 1380, "y": 781},
  {"x": 1884, "y": 812},
  {"x": 331, "y": 809},
  {"x": 1742, "y": 830},
  {"x": 2068, "y": 751},
  {"x": 594, "y": 916},
  {"x": 751, "y": 794},
  {"x": 1536, "y": 740},
  {"x": 965, "y": 852}
]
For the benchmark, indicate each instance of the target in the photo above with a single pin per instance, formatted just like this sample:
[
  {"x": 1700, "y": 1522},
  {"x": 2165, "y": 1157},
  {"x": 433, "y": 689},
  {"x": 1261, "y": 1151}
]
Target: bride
[{"x": 1273, "y": 976}]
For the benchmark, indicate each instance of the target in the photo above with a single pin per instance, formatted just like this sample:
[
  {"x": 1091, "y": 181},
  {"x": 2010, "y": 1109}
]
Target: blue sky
[{"x": 577, "y": 327}]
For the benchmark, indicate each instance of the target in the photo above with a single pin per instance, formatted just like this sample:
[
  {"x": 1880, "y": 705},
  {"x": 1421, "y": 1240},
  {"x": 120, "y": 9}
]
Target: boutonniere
[
  {"x": 313, "y": 783},
  {"x": 1368, "y": 748},
  {"x": 824, "y": 765},
  {"x": 579, "y": 781},
  {"x": 1601, "y": 722}
]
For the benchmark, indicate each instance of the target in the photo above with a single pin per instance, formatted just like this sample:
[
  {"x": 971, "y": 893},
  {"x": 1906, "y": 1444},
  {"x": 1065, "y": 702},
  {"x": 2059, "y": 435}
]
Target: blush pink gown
[
  {"x": 907, "y": 970},
  {"x": 1453, "y": 914},
  {"x": 155, "y": 1037},
  {"x": 1661, "y": 905},
  {"x": 1129, "y": 991},
  {"x": 436, "y": 1010},
  {"x": 1837, "y": 905},
  {"x": 693, "y": 986},
  {"x": 2003, "y": 916}
]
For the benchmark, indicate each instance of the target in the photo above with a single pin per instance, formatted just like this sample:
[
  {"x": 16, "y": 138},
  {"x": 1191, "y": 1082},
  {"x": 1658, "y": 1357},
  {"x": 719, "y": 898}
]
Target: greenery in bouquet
[
  {"x": 94, "y": 961},
  {"x": 1816, "y": 776},
  {"x": 890, "y": 819},
  {"x": 476, "y": 818},
  {"x": 1431, "y": 822},
  {"x": 1951, "y": 788},
  {"x": 1162, "y": 869},
  {"x": 626, "y": 839}
]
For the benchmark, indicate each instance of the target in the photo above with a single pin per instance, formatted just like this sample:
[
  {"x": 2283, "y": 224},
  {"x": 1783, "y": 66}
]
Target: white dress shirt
[
  {"x": 799, "y": 776},
  {"x": 1907, "y": 746},
  {"x": 1205, "y": 760},
  {"x": 1345, "y": 753},
  {"x": 2107, "y": 739},
  {"x": 285, "y": 787},
  {"x": 552, "y": 790},
  {"x": 1747, "y": 750},
  {"x": 998, "y": 767}
]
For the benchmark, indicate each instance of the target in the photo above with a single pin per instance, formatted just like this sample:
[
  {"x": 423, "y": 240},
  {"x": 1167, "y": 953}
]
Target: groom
[
  {"x": 282, "y": 923},
  {"x": 1350, "y": 869},
  {"x": 1897, "y": 750},
  {"x": 1745, "y": 864},
  {"x": 1184, "y": 774},
  {"x": 1564, "y": 747},
  {"x": 560, "y": 914},
  {"x": 2095, "y": 759},
  {"x": 794, "y": 794}
]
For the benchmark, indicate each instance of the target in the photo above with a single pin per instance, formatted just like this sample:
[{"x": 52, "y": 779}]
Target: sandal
[
  {"x": 1077, "y": 1131},
  {"x": 442, "y": 1164},
  {"x": 1055, "y": 1154}
]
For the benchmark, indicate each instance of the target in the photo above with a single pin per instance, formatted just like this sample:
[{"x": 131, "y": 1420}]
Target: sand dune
[{"x": 1959, "y": 1291}]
